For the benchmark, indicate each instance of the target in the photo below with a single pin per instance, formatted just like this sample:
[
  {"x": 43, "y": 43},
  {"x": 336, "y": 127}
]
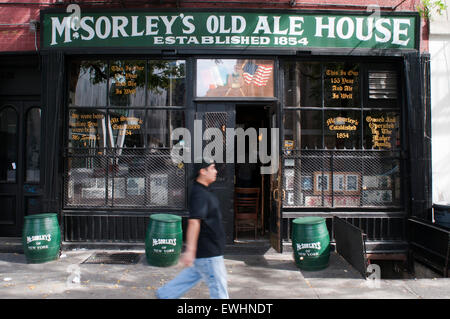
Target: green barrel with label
[
  {"x": 41, "y": 238},
  {"x": 311, "y": 243},
  {"x": 163, "y": 240}
]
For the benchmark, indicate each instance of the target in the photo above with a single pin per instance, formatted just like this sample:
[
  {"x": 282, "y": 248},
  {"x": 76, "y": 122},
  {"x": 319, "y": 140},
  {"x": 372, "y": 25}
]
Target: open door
[
  {"x": 276, "y": 185},
  {"x": 220, "y": 116}
]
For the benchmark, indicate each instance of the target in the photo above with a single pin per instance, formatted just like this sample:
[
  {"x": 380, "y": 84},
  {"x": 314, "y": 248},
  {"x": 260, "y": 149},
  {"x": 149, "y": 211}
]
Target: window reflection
[
  {"x": 235, "y": 78},
  {"x": 33, "y": 145},
  {"x": 8, "y": 146},
  {"x": 126, "y": 128},
  {"x": 304, "y": 128},
  {"x": 119, "y": 137},
  {"x": 126, "y": 83},
  {"x": 87, "y": 128},
  {"x": 166, "y": 83},
  {"x": 303, "y": 84},
  {"x": 161, "y": 123},
  {"x": 87, "y": 85}
]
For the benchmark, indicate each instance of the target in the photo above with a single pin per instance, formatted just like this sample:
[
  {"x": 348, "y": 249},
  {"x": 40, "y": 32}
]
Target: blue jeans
[{"x": 211, "y": 270}]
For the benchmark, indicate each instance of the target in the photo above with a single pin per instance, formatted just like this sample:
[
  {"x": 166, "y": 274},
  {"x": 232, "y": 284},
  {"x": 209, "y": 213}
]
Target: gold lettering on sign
[
  {"x": 342, "y": 83},
  {"x": 125, "y": 78},
  {"x": 84, "y": 127},
  {"x": 381, "y": 128},
  {"x": 342, "y": 124},
  {"x": 126, "y": 124}
]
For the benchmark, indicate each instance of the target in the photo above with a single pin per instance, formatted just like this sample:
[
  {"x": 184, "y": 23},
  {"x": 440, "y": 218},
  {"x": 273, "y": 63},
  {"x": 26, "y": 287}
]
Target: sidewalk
[{"x": 258, "y": 276}]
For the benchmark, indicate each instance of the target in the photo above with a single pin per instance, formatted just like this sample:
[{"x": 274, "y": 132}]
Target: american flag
[{"x": 257, "y": 74}]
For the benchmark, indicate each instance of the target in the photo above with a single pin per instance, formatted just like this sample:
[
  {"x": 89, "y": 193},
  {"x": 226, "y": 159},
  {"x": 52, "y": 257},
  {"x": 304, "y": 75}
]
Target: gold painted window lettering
[
  {"x": 346, "y": 138},
  {"x": 341, "y": 85},
  {"x": 119, "y": 134},
  {"x": 127, "y": 82}
]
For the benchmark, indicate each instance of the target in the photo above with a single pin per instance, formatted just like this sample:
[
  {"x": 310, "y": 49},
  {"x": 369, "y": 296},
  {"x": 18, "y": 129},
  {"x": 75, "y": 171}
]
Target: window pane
[
  {"x": 341, "y": 85},
  {"x": 166, "y": 83},
  {"x": 381, "y": 130},
  {"x": 126, "y": 128},
  {"x": 8, "y": 146},
  {"x": 126, "y": 83},
  {"x": 383, "y": 86},
  {"x": 234, "y": 78},
  {"x": 342, "y": 129},
  {"x": 87, "y": 128},
  {"x": 304, "y": 128},
  {"x": 303, "y": 84},
  {"x": 160, "y": 124},
  {"x": 33, "y": 147},
  {"x": 87, "y": 85}
]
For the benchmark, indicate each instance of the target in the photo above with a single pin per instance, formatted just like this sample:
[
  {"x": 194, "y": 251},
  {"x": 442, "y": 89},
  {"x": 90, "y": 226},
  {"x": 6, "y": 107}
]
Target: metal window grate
[
  {"x": 132, "y": 178},
  {"x": 342, "y": 179},
  {"x": 113, "y": 258}
]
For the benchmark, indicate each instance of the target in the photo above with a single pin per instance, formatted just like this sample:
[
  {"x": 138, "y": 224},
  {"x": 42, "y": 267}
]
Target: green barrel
[
  {"x": 311, "y": 243},
  {"x": 41, "y": 238},
  {"x": 163, "y": 240}
]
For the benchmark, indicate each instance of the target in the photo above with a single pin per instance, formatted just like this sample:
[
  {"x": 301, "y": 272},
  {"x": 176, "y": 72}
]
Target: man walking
[{"x": 205, "y": 241}]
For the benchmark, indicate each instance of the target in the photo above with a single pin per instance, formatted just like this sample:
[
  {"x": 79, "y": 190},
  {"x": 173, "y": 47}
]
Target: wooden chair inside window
[{"x": 246, "y": 209}]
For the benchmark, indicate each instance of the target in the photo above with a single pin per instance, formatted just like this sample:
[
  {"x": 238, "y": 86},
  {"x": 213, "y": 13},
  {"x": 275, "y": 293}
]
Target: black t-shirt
[{"x": 204, "y": 205}]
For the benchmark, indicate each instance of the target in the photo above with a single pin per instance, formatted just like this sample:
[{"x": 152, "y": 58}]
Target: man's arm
[{"x": 193, "y": 230}]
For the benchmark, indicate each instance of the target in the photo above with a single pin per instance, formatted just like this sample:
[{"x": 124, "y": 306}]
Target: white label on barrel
[
  {"x": 47, "y": 237},
  {"x": 171, "y": 241},
  {"x": 307, "y": 247}
]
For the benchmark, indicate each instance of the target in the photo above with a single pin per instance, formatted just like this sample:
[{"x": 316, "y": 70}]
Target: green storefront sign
[{"x": 229, "y": 29}]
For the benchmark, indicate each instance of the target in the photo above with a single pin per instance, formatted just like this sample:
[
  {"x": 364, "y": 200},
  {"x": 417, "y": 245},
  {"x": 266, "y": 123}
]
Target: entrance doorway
[
  {"x": 224, "y": 116},
  {"x": 20, "y": 170},
  {"x": 248, "y": 175}
]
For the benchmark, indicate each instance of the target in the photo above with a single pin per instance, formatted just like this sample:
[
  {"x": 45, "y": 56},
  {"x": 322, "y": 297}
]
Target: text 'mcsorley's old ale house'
[{"x": 104, "y": 109}]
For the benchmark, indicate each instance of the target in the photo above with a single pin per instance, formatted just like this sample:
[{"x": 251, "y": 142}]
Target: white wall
[{"x": 439, "y": 46}]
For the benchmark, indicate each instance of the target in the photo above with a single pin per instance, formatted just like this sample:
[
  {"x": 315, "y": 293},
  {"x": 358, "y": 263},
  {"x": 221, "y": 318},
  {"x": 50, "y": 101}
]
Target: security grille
[
  {"x": 342, "y": 179},
  {"x": 133, "y": 178}
]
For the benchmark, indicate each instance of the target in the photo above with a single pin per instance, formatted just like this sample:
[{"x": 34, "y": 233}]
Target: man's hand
[
  {"x": 187, "y": 258},
  {"x": 193, "y": 229}
]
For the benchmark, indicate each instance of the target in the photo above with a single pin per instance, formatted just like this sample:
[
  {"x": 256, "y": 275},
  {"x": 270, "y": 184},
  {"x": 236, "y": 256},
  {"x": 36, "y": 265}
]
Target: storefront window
[
  {"x": 127, "y": 127},
  {"x": 341, "y": 85},
  {"x": 303, "y": 84},
  {"x": 381, "y": 130},
  {"x": 87, "y": 128},
  {"x": 87, "y": 85},
  {"x": 119, "y": 147},
  {"x": 161, "y": 123},
  {"x": 341, "y": 149},
  {"x": 303, "y": 129},
  {"x": 127, "y": 83},
  {"x": 166, "y": 83},
  {"x": 228, "y": 78},
  {"x": 342, "y": 129}
]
